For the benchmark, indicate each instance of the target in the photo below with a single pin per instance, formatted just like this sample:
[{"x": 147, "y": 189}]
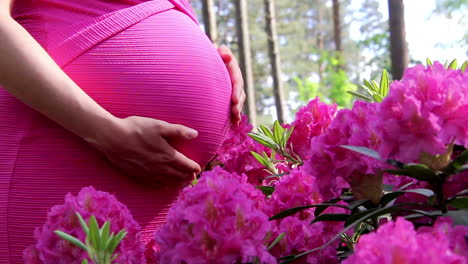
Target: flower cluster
[
  {"x": 311, "y": 121},
  {"x": 50, "y": 248},
  {"x": 219, "y": 220},
  {"x": 398, "y": 242},
  {"x": 336, "y": 167},
  {"x": 424, "y": 112}
]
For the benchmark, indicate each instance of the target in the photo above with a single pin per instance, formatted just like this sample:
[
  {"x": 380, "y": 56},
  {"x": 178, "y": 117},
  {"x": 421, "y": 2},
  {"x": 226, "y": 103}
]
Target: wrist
[{"x": 103, "y": 131}]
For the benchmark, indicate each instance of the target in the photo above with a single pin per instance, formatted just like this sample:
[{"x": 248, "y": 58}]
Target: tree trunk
[
  {"x": 398, "y": 47},
  {"x": 245, "y": 58},
  {"x": 337, "y": 26},
  {"x": 209, "y": 20},
  {"x": 273, "y": 51},
  {"x": 320, "y": 43}
]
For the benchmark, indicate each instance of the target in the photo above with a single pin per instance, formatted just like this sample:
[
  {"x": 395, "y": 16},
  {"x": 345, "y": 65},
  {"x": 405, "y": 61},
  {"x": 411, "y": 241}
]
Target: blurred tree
[
  {"x": 245, "y": 59},
  {"x": 337, "y": 27},
  {"x": 398, "y": 46},
  {"x": 273, "y": 51},
  {"x": 209, "y": 20}
]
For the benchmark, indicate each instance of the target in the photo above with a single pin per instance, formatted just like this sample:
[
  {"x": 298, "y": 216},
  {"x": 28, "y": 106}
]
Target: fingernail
[{"x": 192, "y": 133}]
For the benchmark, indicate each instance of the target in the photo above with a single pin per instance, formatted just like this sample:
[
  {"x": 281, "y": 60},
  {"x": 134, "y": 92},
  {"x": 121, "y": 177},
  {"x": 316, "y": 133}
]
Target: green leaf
[
  {"x": 459, "y": 217},
  {"x": 459, "y": 203},
  {"x": 453, "y": 65},
  {"x": 267, "y": 190},
  {"x": 417, "y": 171},
  {"x": 277, "y": 240},
  {"x": 259, "y": 158},
  {"x": 288, "y": 135},
  {"x": 94, "y": 232},
  {"x": 368, "y": 91},
  {"x": 365, "y": 98},
  {"x": 363, "y": 150},
  {"x": 116, "y": 240},
  {"x": 330, "y": 217},
  {"x": 383, "y": 83},
  {"x": 294, "y": 210},
  {"x": 278, "y": 132},
  {"x": 375, "y": 85},
  {"x": 457, "y": 163},
  {"x": 388, "y": 187},
  {"x": 266, "y": 131},
  {"x": 357, "y": 203},
  {"x": 84, "y": 226},
  {"x": 262, "y": 139},
  {"x": 369, "y": 85},
  {"x": 421, "y": 213},
  {"x": 428, "y": 62},
  {"x": 75, "y": 241},
  {"x": 322, "y": 207},
  {"x": 387, "y": 198},
  {"x": 464, "y": 66},
  {"x": 104, "y": 234},
  {"x": 377, "y": 98},
  {"x": 85, "y": 261}
]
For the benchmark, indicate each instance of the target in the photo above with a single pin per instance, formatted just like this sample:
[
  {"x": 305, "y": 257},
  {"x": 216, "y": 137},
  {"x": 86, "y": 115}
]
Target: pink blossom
[
  {"x": 298, "y": 188},
  {"x": 219, "y": 220},
  {"x": 423, "y": 112},
  {"x": 235, "y": 154},
  {"x": 444, "y": 230},
  {"x": 398, "y": 242},
  {"x": 301, "y": 236},
  {"x": 333, "y": 165},
  {"x": 311, "y": 121},
  {"x": 50, "y": 248}
]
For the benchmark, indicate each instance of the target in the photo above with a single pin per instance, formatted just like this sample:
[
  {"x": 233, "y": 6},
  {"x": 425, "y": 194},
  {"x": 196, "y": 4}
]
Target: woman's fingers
[
  {"x": 169, "y": 130},
  {"x": 235, "y": 73}
]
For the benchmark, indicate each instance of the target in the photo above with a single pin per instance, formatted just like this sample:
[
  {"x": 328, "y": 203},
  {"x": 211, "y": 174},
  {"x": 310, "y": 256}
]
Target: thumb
[{"x": 178, "y": 131}]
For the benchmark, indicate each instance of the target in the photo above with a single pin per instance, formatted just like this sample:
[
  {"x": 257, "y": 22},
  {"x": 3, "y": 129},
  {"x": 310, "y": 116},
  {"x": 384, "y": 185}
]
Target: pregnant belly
[{"x": 165, "y": 68}]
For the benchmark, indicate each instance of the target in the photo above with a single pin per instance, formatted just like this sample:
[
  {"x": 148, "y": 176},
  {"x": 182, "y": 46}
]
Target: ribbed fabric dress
[{"x": 134, "y": 57}]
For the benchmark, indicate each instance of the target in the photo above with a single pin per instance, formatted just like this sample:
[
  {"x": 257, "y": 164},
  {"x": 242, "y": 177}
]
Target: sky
[{"x": 429, "y": 35}]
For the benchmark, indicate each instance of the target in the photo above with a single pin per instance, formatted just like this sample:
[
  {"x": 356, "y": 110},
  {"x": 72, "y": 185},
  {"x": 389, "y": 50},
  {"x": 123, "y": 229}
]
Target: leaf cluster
[
  {"x": 374, "y": 92},
  {"x": 277, "y": 141},
  {"x": 100, "y": 243}
]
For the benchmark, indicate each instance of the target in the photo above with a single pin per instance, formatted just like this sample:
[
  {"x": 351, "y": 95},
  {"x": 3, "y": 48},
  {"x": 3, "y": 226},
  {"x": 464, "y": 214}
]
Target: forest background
[{"x": 327, "y": 47}]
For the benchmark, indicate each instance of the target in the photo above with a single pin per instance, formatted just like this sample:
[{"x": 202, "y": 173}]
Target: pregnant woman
[{"x": 128, "y": 96}]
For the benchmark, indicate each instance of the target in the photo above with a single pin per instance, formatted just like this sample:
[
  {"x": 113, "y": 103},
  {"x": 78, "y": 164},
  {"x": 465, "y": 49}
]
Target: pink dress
[{"x": 134, "y": 57}]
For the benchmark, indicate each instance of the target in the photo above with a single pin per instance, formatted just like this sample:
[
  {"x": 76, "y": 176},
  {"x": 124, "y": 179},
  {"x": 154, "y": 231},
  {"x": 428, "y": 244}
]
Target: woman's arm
[{"x": 136, "y": 144}]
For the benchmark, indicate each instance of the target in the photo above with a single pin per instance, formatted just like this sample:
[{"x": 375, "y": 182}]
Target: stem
[{"x": 440, "y": 199}]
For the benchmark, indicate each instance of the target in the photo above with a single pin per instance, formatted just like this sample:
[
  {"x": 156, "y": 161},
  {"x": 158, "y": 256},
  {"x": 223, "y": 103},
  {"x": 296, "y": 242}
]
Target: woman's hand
[
  {"x": 138, "y": 146},
  {"x": 238, "y": 93}
]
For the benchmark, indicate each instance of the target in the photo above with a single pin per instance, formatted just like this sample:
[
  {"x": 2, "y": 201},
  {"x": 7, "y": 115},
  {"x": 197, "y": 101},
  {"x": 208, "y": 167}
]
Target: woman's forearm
[{"x": 30, "y": 74}]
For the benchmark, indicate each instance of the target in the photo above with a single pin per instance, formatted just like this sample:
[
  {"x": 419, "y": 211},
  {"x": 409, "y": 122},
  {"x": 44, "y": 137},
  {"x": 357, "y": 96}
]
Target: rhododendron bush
[{"x": 383, "y": 182}]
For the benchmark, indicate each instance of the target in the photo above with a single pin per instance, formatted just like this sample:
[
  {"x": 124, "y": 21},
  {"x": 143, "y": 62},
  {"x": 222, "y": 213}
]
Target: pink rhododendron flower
[
  {"x": 311, "y": 121},
  {"x": 50, "y": 248},
  {"x": 424, "y": 112},
  {"x": 456, "y": 235},
  {"x": 398, "y": 242},
  {"x": 235, "y": 154},
  {"x": 298, "y": 188},
  {"x": 333, "y": 165},
  {"x": 301, "y": 236},
  {"x": 219, "y": 220}
]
